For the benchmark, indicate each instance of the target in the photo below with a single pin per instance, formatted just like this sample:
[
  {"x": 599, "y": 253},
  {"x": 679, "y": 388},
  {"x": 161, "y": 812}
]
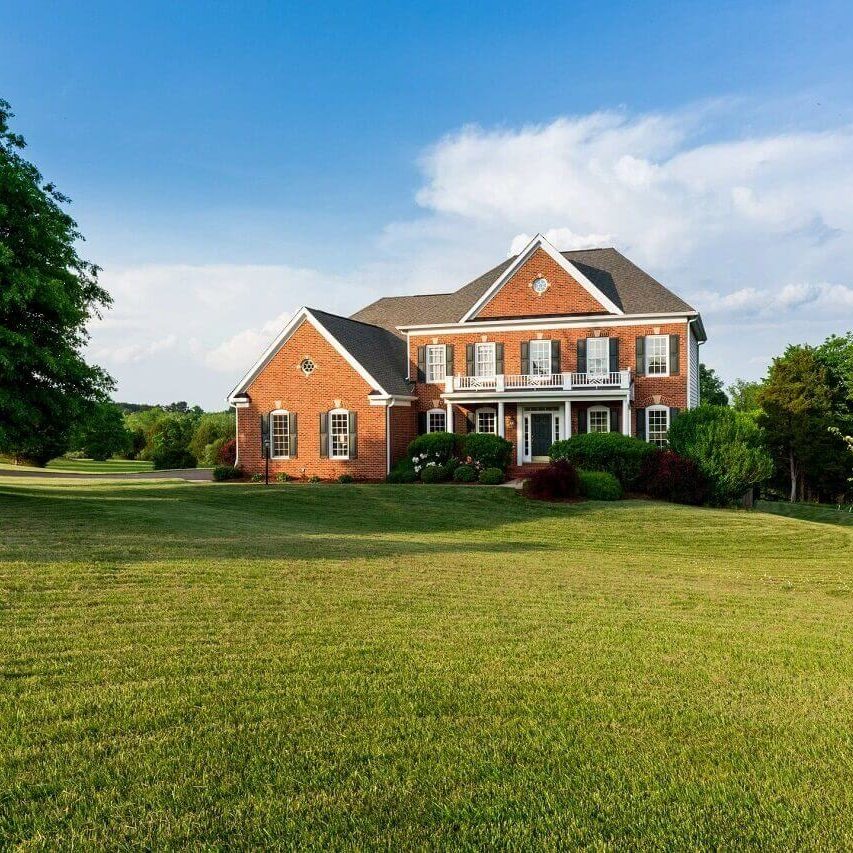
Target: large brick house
[{"x": 543, "y": 346}]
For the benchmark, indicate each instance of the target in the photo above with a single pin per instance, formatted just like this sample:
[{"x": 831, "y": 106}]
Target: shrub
[
  {"x": 465, "y": 474},
  {"x": 436, "y": 447},
  {"x": 402, "y": 472},
  {"x": 672, "y": 477},
  {"x": 165, "y": 458},
  {"x": 210, "y": 455},
  {"x": 228, "y": 452},
  {"x": 283, "y": 477},
  {"x": 620, "y": 455},
  {"x": 313, "y": 479},
  {"x": 346, "y": 478},
  {"x": 226, "y": 472},
  {"x": 170, "y": 442},
  {"x": 491, "y": 476},
  {"x": 257, "y": 478},
  {"x": 727, "y": 445},
  {"x": 434, "y": 474},
  {"x": 556, "y": 482},
  {"x": 599, "y": 486},
  {"x": 209, "y": 428},
  {"x": 487, "y": 450}
]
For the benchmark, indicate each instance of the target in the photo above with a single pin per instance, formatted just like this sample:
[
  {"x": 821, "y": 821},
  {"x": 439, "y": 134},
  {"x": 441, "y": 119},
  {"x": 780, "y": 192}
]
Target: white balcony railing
[{"x": 620, "y": 379}]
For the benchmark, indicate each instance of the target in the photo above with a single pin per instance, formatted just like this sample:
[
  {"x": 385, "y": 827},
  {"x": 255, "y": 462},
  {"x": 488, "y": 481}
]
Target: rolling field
[{"x": 418, "y": 667}]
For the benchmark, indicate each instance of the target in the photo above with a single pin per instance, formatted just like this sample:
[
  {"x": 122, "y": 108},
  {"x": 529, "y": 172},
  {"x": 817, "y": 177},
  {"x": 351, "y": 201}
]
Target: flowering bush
[
  {"x": 438, "y": 447},
  {"x": 434, "y": 474},
  {"x": 228, "y": 452}
]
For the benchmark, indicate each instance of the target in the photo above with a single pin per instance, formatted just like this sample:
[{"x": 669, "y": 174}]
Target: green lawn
[
  {"x": 90, "y": 466},
  {"x": 432, "y": 667},
  {"x": 809, "y": 512}
]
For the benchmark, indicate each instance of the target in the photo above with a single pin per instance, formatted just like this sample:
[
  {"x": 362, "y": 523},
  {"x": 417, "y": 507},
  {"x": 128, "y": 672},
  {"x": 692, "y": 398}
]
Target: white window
[
  {"x": 484, "y": 359},
  {"x": 436, "y": 420},
  {"x": 598, "y": 419},
  {"x": 598, "y": 355},
  {"x": 657, "y": 355},
  {"x": 540, "y": 358},
  {"x": 657, "y": 425},
  {"x": 339, "y": 434},
  {"x": 279, "y": 435},
  {"x": 435, "y": 363},
  {"x": 487, "y": 421}
]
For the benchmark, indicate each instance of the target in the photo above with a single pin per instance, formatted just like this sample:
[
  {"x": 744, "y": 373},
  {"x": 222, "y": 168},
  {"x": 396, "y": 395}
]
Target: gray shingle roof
[
  {"x": 623, "y": 282},
  {"x": 380, "y": 352}
]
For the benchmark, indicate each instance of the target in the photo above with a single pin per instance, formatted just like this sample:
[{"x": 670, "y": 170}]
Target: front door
[{"x": 541, "y": 434}]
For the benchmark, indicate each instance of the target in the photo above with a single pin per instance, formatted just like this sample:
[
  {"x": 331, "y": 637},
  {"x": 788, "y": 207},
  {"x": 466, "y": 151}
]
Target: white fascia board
[
  {"x": 281, "y": 339},
  {"x": 539, "y": 242},
  {"x": 391, "y": 401},
  {"x": 545, "y": 323}
]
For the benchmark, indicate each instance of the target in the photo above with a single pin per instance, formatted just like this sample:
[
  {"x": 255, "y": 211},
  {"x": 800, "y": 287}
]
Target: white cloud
[{"x": 245, "y": 347}]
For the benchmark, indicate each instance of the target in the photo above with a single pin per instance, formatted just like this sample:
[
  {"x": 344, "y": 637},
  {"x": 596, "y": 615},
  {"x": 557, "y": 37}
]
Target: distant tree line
[{"x": 804, "y": 410}]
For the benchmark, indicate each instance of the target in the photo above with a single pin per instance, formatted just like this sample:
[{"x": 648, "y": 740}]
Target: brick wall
[
  {"x": 333, "y": 384},
  {"x": 404, "y": 428},
  {"x": 564, "y": 295}
]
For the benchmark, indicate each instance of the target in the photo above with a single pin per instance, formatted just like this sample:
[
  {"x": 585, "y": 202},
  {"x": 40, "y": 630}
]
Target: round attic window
[
  {"x": 306, "y": 366},
  {"x": 539, "y": 284}
]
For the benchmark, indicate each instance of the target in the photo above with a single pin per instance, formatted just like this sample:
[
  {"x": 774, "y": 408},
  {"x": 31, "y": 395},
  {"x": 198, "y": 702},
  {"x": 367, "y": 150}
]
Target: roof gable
[{"x": 567, "y": 289}]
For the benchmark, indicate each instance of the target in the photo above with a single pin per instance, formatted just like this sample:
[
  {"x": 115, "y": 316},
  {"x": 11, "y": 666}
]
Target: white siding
[{"x": 692, "y": 369}]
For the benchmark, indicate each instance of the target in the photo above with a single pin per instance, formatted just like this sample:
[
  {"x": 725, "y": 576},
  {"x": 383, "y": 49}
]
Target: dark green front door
[{"x": 541, "y": 435}]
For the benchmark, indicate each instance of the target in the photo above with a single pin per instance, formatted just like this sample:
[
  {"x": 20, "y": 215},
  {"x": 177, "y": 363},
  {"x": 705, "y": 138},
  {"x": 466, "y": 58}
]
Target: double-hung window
[
  {"x": 657, "y": 425},
  {"x": 279, "y": 435},
  {"x": 540, "y": 358},
  {"x": 436, "y": 420},
  {"x": 487, "y": 421},
  {"x": 598, "y": 355},
  {"x": 339, "y": 435},
  {"x": 657, "y": 355},
  {"x": 436, "y": 368},
  {"x": 484, "y": 359},
  {"x": 598, "y": 419}
]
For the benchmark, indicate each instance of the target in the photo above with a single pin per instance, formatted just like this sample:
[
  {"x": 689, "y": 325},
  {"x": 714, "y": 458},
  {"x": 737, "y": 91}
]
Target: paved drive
[{"x": 174, "y": 474}]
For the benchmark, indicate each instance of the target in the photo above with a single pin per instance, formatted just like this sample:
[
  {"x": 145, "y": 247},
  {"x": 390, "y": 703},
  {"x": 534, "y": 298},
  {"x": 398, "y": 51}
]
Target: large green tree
[
  {"x": 48, "y": 294},
  {"x": 101, "y": 434},
  {"x": 711, "y": 391},
  {"x": 744, "y": 395}
]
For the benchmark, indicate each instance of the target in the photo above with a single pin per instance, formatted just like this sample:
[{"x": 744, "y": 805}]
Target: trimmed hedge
[
  {"x": 671, "y": 477},
  {"x": 620, "y": 455},
  {"x": 436, "y": 446},
  {"x": 226, "y": 472},
  {"x": 346, "y": 478},
  {"x": 487, "y": 450},
  {"x": 434, "y": 474},
  {"x": 599, "y": 486},
  {"x": 402, "y": 472},
  {"x": 557, "y": 482},
  {"x": 491, "y": 476},
  {"x": 465, "y": 474}
]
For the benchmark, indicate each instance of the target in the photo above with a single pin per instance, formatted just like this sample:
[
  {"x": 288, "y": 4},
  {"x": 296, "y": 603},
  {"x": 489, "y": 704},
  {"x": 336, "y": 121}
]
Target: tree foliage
[
  {"x": 48, "y": 293},
  {"x": 102, "y": 433},
  {"x": 744, "y": 395},
  {"x": 711, "y": 391},
  {"x": 727, "y": 446}
]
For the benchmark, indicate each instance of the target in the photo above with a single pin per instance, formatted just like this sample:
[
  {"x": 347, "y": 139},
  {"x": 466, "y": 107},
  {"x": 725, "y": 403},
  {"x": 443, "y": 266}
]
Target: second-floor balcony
[{"x": 502, "y": 382}]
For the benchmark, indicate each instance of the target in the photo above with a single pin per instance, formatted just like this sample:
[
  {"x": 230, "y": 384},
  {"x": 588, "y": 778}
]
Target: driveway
[{"x": 172, "y": 474}]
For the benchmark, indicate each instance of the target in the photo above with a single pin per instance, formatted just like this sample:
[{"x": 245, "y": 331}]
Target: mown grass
[
  {"x": 823, "y": 513},
  {"x": 88, "y": 466},
  {"x": 431, "y": 667}
]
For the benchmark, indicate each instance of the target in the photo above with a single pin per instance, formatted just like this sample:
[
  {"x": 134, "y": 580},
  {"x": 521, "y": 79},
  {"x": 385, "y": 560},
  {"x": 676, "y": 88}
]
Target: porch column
[
  {"x": 449, "y": 424},
  {"x": 626, "y": 418},
  {"x": 519, "y": 433},
  {"x": 501, "y": 425},
  {"x": 568, "y": 419}
]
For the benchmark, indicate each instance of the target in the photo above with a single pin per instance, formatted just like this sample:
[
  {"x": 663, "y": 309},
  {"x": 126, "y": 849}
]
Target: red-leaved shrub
[
  {"x": 558, "y": 482},
  {"x": 675, "y": 478},
  {"x": 228, "y": 453}
]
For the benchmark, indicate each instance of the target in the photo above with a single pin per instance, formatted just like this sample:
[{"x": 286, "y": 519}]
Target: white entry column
[
  {"x": 501, "y": 425},
  {"x": 626, "y": 417},
  {"x": 449, "y": 424},
  {"x": 567, "y": 429}
]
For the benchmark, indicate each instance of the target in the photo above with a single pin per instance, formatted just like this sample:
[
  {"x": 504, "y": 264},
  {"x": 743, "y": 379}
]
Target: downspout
[
  {"x": 236, "y": 436},
  {"x": 388, "y": 407}
]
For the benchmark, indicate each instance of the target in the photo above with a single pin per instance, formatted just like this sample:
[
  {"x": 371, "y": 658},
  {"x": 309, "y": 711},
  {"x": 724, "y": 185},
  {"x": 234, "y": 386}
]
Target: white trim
[
  {"x": 485, "y": 410},
  {"x": 539, "y": 242},
  {"x": 271, "y": 415},
  {"x": 524, "y": 420},
  {"x": 546, "y": 324},
  {"x": 237, "y": 434},
  {"x": 665, "y": 353},
  {"x": 391, "y": 401},
  {"x": 292, "y": 326},
  {"x": 658, "y": 408},
  {"x": 466, "y": 397},
  {"x": 501, "y": 419},
  {"x": 443, "y": 348},
  {"x": 331, "y": 433},
  {"x": 592, "y": 409},
  {"x": 442, "y": 412}
]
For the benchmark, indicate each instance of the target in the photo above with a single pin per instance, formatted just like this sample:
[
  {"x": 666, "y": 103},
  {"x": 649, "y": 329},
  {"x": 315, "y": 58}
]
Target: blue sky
[{"x": 230, "y": 162}]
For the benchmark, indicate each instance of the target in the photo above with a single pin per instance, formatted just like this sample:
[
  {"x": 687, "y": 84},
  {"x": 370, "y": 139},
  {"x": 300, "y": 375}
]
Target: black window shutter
[
  {"x": 469, "y": 359},
  {"x": 499, "y": 358},
  {"x": 555, "y": 357},
  {"x": 421, "y": 364},
  {"x": 265, "y": 435},
  {"x": 448, "y": 359},
  {"x": 614, "y": 420},
  {"x": 294, "y": 432},
  {"x": 641, "y": 356},
  {"x": 582, "y": 355},
  {"x": 641, "y": 423},
  {"x": 353, "y": 435},
  {"x": 422, "y": 424},
  {"x": 673, "y": 355},
  {"x": 673, "y": 414},
  {"x": 614, "y": 355},
  {"x": 470, "y": 422},
  {"x": 324, "y": 435},
  {"x": 525, "y": 357},
  {"x": 582, "y": 413}
]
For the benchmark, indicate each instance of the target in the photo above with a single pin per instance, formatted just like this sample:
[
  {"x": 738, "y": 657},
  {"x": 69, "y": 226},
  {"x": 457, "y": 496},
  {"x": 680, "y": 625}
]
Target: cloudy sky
[{"x": 229, "y": 162}]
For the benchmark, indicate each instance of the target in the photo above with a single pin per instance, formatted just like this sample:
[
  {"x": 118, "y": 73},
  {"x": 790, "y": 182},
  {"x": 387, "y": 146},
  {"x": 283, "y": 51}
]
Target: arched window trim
[
  {"x": 436, "y": 411},
  {"x": 589, "y": 412},
  {"x": 272, "y": 416}
]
